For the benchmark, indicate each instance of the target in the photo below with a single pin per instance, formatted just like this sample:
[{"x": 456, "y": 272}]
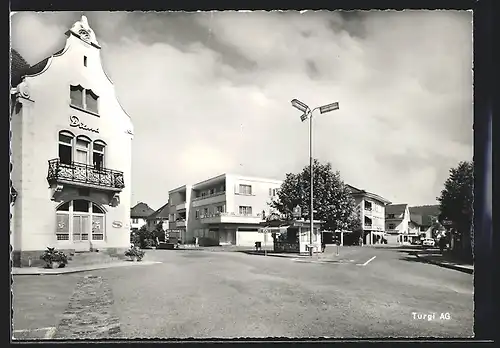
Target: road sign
[
  {"x": 447, "y": 222},
  {"x": 329, "y": 107}
]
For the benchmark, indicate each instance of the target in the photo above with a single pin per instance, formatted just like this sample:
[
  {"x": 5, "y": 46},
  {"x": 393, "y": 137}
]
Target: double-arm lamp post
[{"x": 308, "y": 113}]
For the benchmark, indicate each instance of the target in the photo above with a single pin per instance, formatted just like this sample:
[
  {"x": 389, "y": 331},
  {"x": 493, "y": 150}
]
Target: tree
[
  {"x": 333, "y": 202},
  {"x": 456, "y": 201}
]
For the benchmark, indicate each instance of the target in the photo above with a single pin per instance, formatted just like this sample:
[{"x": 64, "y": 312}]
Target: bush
[
  {"x": 52, "y": 255},
  {"x": 135, "y": 252}
]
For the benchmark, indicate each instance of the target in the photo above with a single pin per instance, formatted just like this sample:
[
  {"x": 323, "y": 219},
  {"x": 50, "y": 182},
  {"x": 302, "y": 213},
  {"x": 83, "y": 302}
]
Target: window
[
  {"x": 245, "y": 190},
  {"x": 368, "y": 206},
  {"x": 270, "y": 192},
  {"x": 390, "y": 216},
  {"x": 135, "y": 220},
  {"x": 221, "y": 209},
  {"x": 76, "y": 94},
  {"x": 84, "y": 99},
  {"x": 98, "y": 154},
  {"x": 392, "y": 226},
  {"x": 205, "y": 212},
  {"x": 245, "y": 210},
  {"x": 203, "y": 193},
  {"x": 82, "y": 150},
  {"x": 79, "y": 220},
  {"x": 85, "y": 61},
  {"x": 197, "y": 214},
  {"x": 65, "y": 147},
  {"x": 212, "y": 191},
  {"x": 91, "y": 101}
]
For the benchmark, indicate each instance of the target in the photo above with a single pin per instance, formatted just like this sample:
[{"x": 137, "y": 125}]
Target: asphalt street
[{"x": 363, "y": 293}]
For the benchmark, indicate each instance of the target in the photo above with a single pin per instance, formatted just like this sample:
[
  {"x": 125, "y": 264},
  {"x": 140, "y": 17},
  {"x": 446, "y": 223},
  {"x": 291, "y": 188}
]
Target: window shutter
[{"x": 236, "y": 186}]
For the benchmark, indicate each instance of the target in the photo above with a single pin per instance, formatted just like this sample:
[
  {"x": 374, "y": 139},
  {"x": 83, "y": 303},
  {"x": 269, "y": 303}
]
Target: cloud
[{"x": 210, "y": 93}]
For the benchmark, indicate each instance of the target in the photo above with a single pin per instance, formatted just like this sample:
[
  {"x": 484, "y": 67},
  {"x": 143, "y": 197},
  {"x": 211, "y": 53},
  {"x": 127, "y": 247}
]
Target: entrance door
[{"x": 80, "y": 232}]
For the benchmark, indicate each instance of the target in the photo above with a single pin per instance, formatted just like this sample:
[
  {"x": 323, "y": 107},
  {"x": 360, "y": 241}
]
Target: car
[{"x": 428, "y": 242}]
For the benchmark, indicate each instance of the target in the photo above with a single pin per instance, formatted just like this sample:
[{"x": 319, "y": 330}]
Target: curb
[
  {"x": 59, "y": 271},
  {"x": 445, "y": 265},
  {"x": 277, "y": 255}
]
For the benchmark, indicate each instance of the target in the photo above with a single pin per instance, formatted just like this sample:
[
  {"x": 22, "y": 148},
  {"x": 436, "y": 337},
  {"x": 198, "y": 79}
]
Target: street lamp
[{"x": 308, "y": 113}]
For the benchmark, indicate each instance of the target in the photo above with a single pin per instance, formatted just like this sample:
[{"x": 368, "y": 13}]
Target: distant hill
[{"x": 425, "y": 211}]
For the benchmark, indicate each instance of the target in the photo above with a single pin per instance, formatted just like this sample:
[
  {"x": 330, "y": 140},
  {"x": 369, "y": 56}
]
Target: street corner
[{"x": 45, "y": 333}]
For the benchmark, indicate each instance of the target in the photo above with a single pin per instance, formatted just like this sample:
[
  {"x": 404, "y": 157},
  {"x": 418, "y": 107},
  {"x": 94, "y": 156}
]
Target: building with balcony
[
  {"x": 71, "y": 153},
  {"x": 223, "y": 210},
  {"x": 398, "y": 224},
  {"x": 372, "y": 209},
  {"x": 139, "y": 214}
]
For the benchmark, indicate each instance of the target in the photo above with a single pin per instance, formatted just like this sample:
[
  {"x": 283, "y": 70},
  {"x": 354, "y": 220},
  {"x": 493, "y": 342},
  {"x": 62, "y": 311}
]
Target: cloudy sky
[{"x": 210, "y": 93}]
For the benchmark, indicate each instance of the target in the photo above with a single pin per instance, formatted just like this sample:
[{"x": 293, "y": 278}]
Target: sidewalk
[
  {"x": 445, "y": 260},
  {"x": 84, "y": 268}
]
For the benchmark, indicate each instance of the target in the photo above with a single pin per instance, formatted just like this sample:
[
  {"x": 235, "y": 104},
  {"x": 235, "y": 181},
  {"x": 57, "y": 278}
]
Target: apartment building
[
  {"x": 71, "y": 153},
  {"x": 223, "y": 210},
  {"x": 398, "y": 223},
  {"x": 372, "y": 213}
]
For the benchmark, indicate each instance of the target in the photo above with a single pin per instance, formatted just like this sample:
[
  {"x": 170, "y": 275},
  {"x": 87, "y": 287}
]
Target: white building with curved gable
[{"x": 71, "y": 153}]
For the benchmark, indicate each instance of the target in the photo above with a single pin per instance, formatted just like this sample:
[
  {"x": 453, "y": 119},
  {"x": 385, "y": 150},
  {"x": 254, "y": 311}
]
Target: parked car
[{"x": 428, "y": 242}]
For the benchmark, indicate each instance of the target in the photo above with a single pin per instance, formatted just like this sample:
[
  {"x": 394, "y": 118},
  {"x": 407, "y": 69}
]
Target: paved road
[{"x": 229, "y": 294}]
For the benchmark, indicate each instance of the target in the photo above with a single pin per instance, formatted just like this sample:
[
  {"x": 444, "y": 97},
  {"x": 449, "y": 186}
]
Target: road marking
[
  {"x": 50, "y": 331},
  {"x": 367, "y": 262}
]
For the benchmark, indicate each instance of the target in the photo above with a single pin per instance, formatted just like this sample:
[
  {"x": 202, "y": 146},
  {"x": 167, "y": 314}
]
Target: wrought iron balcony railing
[{"x": 84, "y": 175}]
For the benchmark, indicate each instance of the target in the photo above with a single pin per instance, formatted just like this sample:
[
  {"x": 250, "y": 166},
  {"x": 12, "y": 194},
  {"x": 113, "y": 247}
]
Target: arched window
[
  {"x": 82, "y": 152},
  {"x": 66, "y": 147},
  {"x": 98, "y": 154},
  {"x": 79, "y": 220}
]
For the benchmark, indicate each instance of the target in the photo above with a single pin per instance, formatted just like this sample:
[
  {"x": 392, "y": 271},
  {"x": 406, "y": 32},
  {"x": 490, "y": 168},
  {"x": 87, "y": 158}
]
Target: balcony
[
  {"x": 210, "y": 199},
  {"x": 84, "y": 175},
  {"x": 392, "y": 231},
  {"x": 181, "y": 206},
  {"x": 231, "y": 218},
  {"x": 180, "y": 223}
]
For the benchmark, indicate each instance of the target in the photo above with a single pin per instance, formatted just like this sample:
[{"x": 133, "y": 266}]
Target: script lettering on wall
[{"x": 74, "y": 121}]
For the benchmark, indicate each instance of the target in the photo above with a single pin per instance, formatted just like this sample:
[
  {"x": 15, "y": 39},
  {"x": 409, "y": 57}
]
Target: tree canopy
[
  {"x": 333, "y": 202},
  {"x": 456, "y": 200},
  {"x": 457, "y": 197}
]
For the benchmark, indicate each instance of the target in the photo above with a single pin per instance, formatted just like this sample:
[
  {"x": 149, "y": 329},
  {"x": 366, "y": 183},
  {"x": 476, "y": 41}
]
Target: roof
[
  {"x": 427, "y": 213},
  {"x": 21, "y": 68},
  {"x": 18, "y": 67},
  {"x": 141, "y": 210},
  {"x": 396, "y": 209},
  {"x": 161, "y": 213},
  {"x": 356, "y": 191}
]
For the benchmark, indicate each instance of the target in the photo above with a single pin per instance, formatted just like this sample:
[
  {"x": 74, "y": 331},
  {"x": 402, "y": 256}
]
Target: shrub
[
  {"x": 135, "y": 252},
  {"x": 52, "y": 255}
]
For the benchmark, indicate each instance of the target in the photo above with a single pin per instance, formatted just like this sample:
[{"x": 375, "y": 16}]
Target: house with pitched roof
[
  {"x": 71, "y": 153},
  {"x": 159, "y": 216},
  {"x": 372, "y": 208},
  {"x": 139, "y": 214},
  {"x": 427, "y": 217}
]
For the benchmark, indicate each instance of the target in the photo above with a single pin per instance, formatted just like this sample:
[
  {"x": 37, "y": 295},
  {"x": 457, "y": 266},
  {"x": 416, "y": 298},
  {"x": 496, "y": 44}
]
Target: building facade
[
  {"x": 398, "y": 221},
  {"x": 223, "y": 210},
  {"x": 159, "y": 216},
  {"x": 71, "y": 153},
  {"x": 372, "y": 213},
  {"x": 139, "y": 214}
]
